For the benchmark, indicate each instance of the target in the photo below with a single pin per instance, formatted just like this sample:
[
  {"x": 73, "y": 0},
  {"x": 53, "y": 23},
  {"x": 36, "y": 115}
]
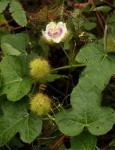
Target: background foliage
[{"x": 82, "y": 80}]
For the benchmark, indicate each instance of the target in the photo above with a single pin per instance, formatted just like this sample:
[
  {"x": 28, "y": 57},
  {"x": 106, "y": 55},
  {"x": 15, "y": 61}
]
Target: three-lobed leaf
[
  {"x": 97, "y": 120},
  {"x": 86, "y": 96},
  {"x": 16, "y": 119}
]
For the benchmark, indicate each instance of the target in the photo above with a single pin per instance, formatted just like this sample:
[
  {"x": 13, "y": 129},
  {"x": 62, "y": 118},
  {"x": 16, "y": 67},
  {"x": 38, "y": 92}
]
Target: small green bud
[
  {"x": 39, "y": 68},
  {"x": 40, "y": 104}
]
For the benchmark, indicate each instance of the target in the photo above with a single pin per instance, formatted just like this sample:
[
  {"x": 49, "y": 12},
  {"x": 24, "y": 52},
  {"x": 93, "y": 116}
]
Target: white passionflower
[{"x": 55, "y": 33}]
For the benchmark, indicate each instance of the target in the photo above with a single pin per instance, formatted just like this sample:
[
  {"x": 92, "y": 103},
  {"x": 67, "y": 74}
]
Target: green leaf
[
  {"x": 67, "y": 45},
  {"x": 111, "y": 42},
  {"x": 3, "y": 19},
  {"x": 58, "y": 2},
  {"x": 90, "y": 36},
  {"x": 100, "y": 66},
  {"x": 89, "y": 25},
  {"x": 18, "y": 13},
  {"x": 111, "y": 21},
  {"x": 14, "y": 44},
  {"x": 97, "y": 120},
  {"x": 31, "y": 128},
  {"x": 44, "y": 48},
  {"x": 3, "y": 5},
  {"x": 75, "y": 22},
  {"x": 112, "y": 143},
  {"x": 2, "y": 33},
  {"x": 9, "y": 50},
  {"x": 14, "y": 83},
  {"x": 17, "y": 119},
  {"x": 26, "y": 59},
  {"x": 111, "y": 18},
  {"x": 0, "y": 79},
  {"x": 86, "y": 96},
  {"x": 75, "y": 13},
  {"x": 68, "y": 123},
  {"x": 104, "y": 9},
  {"x": 89, "y": 52},
  {"x": 84, "y": 141}
]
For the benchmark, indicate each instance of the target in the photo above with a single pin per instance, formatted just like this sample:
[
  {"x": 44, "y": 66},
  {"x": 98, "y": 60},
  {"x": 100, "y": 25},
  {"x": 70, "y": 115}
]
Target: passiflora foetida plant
[{"x": 57, "y": 75}]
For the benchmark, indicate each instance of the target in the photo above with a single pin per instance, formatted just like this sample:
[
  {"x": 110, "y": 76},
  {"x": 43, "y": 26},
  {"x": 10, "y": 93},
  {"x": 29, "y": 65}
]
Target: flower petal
[{"x": 55, "y": 32}]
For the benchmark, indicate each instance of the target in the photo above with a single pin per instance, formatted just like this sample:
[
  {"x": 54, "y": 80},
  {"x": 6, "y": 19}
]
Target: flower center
[{"x": 55, "y": 33}]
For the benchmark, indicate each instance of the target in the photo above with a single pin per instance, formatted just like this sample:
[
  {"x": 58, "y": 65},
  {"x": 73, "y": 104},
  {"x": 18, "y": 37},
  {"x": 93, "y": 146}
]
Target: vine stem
[
  {"x": 8, "y": 147},
  {"x": 69, "y": 66},
  {"x": 97, "y": 148},
  {"x": 66, "y": 53},
  {"x": 62, "y": 11}
]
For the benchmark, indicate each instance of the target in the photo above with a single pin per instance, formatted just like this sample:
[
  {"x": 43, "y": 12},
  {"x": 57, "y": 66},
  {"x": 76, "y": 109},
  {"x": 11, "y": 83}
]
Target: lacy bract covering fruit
[
  {"x": 39, "y": 68},
  {"x": 40, "y": 104}
]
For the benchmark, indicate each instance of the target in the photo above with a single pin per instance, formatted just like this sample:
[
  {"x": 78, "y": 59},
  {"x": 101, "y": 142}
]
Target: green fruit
[
  {"x": 40, "y": 104},
  {"x": 39, "y": 68}
]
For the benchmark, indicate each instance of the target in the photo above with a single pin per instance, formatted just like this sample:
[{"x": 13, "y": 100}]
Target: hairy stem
[
  {"x": 105, "y": 38},
  {"x": 68, "y": 66}
]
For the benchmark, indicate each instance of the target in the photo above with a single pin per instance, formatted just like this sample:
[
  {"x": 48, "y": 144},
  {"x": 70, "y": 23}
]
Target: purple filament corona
[{"x": 55, "y": 34}]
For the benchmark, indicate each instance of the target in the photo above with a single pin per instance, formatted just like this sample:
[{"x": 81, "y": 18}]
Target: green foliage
[
  {"x": 44, "y": 48},
  {"x": 0, "y": 79},
  {"x": 14, "y": 44},
  {"x": 3, "y": 5},
  {"x": 111, "y": 22},
  {"x": 14, "y": 82},
  {"x": 111, "y": 18},
  {"x": 97, "y": 120},
  {"x": 104, "y": 9},
  {"x": 15, "y": 119},
  {"x": 25, "y": 60},
  {"x": 86, "y": 96},
  {"x": 82, "y": 99},
  {"x": 112, "y": 143},
  {"x": 16, "y": 10},
  {"x": 18, "y": 13},
  {"x": 67, "y": 45},
  {"x": 111, "y": 42},
  {"x": 89, "y": 25},
  {"x": 77, "y": 20},
  {"x": 3, "y": 29},
  {"x": 58, "y": 2},
  {"x": 14, "y": 69},
  {"x": 52, "y": 77},
  {"x": 84, "y": 141}
]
